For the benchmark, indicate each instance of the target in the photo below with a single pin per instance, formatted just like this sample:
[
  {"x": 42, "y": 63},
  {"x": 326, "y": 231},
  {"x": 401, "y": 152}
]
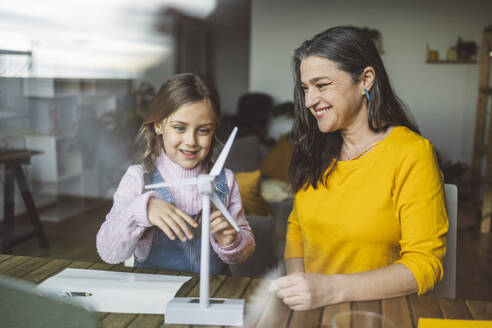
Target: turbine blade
[
  {"x": 219, "y": 163},
  {"x": 215, "y": 199},
  {"x": 175, "y": 183}
]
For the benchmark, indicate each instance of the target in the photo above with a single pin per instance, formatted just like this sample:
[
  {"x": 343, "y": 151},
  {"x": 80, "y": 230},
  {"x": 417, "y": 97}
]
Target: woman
[{"x": 369, "y": 218}]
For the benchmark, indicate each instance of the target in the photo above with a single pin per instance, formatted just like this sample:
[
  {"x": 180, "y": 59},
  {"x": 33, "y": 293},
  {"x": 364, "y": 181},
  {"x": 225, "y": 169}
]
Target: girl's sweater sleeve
[
  {"x": 244, "y": 244},
  {"x": 122, "y": 233}
]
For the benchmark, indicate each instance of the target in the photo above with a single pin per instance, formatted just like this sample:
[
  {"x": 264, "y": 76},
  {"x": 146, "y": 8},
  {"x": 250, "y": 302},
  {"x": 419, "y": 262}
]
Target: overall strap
[
  {"x": 147, "y": 178},
  {"x": 221, "y": 187},
  {"x": 151, "y": 178}
]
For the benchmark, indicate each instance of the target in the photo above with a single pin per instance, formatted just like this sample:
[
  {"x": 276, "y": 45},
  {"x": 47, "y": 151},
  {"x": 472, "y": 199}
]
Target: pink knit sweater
[{"x": 122, "y": 233}]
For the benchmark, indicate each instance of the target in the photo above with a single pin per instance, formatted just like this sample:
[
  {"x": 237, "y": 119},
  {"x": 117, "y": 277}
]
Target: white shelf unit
[
  {"x": 57, "y": 162},
  {"x": 63, "y": 114},
  {"x": 8, "y": 114}
]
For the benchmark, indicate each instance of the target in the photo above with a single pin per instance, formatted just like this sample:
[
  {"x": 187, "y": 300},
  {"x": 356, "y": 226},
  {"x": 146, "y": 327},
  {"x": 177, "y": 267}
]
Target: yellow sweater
[{"x": 386, "y": 207}]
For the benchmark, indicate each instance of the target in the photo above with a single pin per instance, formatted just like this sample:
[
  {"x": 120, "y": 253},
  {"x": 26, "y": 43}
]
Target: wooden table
[
  {"x": 13, "y": 159},
  {"x": 404, "y": 311}
]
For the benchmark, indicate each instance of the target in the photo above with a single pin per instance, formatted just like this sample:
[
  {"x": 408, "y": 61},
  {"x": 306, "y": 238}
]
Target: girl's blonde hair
[{"x": 179, "y": 90}]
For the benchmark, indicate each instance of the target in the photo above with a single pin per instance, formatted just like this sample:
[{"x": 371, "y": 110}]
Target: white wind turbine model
[{"x": 217, "y": 311}]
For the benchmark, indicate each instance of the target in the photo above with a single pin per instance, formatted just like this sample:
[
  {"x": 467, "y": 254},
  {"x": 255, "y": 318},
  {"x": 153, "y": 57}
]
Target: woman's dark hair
[
  {"x": 179, "y": 90},
  {"x": 314, "y": 151}
]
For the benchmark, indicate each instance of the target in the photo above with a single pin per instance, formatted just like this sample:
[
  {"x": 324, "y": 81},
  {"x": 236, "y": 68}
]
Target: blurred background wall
[
  {"x": 442, "y": 98},
  {"x": 76, "y": 77}
]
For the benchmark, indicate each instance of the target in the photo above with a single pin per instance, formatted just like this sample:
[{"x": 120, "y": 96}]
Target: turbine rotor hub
[{"x": 205, "y": 184}]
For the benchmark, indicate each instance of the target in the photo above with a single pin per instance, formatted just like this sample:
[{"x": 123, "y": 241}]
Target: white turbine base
[{"x": 221, "y": 312}]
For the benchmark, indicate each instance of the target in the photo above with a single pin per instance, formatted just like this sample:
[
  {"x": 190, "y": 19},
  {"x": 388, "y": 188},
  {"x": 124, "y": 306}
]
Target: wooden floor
[
  {"x": 71, "y": 239},
  {"x": 75, "y": 239}
]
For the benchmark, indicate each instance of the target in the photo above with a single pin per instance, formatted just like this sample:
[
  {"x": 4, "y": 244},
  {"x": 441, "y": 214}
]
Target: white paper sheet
[{"x": 121, "y": 292}]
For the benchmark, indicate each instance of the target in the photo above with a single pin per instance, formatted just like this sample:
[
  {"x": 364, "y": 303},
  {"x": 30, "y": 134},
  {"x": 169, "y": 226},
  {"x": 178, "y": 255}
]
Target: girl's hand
[
  {"x": 170, "y": 219},
  {"x": 221, "y": 229},
  {"x": 306, "y": 291}
]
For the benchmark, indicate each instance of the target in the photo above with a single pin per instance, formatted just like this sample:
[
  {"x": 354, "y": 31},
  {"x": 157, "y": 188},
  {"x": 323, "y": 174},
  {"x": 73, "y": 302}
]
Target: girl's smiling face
[
  {"x": 188, "y": 133},
  {"x": 331, "y": 95}
]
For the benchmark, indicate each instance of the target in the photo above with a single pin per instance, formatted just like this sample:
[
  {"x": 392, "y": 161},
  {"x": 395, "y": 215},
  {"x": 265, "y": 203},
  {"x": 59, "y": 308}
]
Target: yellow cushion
[
  {"x": 277, "y": 161},
  {"x": 250, "y": 190}
]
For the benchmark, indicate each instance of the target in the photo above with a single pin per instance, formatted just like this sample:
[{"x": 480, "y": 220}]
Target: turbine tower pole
[{"x": 205, "y": 252}]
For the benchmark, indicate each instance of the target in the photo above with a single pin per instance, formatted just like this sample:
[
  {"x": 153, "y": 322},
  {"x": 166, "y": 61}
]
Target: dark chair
[
  {"x": 264, "y": 257},
  {"x": 253, "y": 114}
]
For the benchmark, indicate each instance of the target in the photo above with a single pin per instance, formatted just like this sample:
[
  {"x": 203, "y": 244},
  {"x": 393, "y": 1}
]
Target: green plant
[
  {"x": 466, "y": 49},
  {"x": 375, "y": 36},
  {"x": 457, "y": 173}
]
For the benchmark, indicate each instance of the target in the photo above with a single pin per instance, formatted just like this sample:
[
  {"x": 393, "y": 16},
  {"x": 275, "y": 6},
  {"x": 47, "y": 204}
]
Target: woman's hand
[
  {"x": 221, "y": 229},
  {"x": 170, "y": 219},
  {"x": 306, "y": 291}
]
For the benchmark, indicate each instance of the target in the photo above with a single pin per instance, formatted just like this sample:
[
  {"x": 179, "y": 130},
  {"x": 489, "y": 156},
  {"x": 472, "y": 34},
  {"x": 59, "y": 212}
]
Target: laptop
[{"x": 21, "y": 305}]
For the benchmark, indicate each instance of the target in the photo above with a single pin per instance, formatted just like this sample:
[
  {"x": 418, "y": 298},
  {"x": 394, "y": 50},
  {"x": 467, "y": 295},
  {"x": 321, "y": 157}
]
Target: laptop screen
[{"x": 21, "y": 305}]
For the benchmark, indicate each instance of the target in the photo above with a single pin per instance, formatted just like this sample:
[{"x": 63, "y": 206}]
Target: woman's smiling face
[
  {"x": 331, "y": 95},
  {"x": 188, "y": 133}
]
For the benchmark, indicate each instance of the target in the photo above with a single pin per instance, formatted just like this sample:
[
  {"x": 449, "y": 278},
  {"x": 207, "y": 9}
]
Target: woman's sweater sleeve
[
  {"x": 294, "y": 246},
  {"x": 244, "y": 244},
  {"x": 420, "y": 206},
  {"x": 122, "y": 231}
]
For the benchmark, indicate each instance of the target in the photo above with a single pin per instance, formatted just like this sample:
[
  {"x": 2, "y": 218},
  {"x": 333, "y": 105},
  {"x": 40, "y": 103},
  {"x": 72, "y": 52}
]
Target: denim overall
[{"x": 176, "y": 254}]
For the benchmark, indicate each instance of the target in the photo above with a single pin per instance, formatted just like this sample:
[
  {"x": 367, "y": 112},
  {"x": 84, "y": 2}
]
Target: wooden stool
[{"x": 13, "y": 159}]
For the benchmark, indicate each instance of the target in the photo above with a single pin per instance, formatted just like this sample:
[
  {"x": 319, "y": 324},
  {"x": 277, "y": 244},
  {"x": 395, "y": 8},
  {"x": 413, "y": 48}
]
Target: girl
[{"x": 179, "y": 135}]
